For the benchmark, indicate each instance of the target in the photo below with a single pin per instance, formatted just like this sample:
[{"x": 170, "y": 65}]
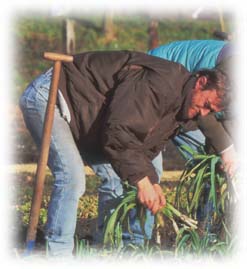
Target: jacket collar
[{"x": 186, "y": 98}]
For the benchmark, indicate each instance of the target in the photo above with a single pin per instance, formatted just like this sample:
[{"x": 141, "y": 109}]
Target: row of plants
[{"x": 199, "y": 213}]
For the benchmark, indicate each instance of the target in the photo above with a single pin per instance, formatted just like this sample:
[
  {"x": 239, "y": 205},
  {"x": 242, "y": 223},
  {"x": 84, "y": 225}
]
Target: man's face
[{"x": 203, "y": 102}]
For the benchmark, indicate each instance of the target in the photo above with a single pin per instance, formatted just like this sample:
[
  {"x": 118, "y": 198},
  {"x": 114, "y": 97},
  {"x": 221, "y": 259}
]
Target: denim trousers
[
  {"x": 67, "y": 167},
  {"x": 64, "y": 161}
]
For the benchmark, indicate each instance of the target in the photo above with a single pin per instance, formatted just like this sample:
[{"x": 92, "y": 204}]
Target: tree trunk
[
  {"x": 108, "y": 27},
  {"x": 153, "y": 40},
  {"x": 69, "y": 36}
]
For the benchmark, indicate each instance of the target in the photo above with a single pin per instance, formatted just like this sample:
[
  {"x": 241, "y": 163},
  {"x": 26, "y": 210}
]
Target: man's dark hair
[{"x": 217, "y": 80}]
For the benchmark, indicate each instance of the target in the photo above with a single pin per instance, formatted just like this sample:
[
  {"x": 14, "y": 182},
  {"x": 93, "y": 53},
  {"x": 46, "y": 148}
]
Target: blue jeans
[
  {"x": 194, "y": 139},
  {"x": 65, "y": 163}
]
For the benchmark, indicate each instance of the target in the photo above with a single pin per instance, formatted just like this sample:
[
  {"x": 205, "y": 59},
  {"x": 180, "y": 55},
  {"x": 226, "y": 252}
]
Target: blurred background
[{"x": 75, "y": 31}]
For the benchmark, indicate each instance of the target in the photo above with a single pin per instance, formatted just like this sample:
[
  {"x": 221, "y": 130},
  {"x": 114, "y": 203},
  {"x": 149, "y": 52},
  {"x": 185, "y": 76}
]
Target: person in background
[{"x": 195, "y": 55}]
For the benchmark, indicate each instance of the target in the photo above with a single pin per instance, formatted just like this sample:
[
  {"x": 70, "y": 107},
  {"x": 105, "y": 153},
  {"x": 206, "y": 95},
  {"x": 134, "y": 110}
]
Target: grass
[{"x": 31, "y": 168}]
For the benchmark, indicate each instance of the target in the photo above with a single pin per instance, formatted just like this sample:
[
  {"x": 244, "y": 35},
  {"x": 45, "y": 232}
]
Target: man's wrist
[
  {"x": 143, "y": 182},
  {"x": 226, "y": 149}
]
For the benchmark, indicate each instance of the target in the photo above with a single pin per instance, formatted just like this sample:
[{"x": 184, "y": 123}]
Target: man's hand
[
  {"x": 160, "y": 194},
  {"x": 150, "y": 195},
  {"x": 229, "y": 161}
]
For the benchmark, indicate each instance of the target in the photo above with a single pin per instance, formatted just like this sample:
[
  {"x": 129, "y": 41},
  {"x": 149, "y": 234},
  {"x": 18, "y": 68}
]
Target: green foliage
[
  {"x": 23, "y": 189},
  {"x": 202, "y": 170},
  {"x": 189, "y": 242},
  {"x": 116, "y": 222},
  {"x": 84, "y": 251},
  {"x": 24, "y": 209},
  {"x": 171, "y": 30},
  {"x": 87, "y": 208}
]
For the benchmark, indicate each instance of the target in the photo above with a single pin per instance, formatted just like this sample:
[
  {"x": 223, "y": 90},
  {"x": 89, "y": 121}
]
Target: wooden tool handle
[
  {"x": 45, "y": 146},
  {"x": 58, "y": 57}
]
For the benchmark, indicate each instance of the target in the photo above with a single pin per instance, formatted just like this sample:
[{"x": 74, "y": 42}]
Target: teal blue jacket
[{"x": 192, "y": 54}]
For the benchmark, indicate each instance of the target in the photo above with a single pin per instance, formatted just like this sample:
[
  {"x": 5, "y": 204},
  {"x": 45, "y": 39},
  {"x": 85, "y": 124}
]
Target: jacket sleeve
[
  {"x": 132, "y": 114},
  {"x": 127, "y": 156},
  {"x": 214, "y": 131}
]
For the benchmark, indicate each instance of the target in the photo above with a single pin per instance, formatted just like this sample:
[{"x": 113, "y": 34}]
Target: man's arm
[
  {"x": 215, "y": 132},
  {"x": 220, "y": 139},
  {"x": 132, "y": 114},
  {"x": 127, "y": 156}
]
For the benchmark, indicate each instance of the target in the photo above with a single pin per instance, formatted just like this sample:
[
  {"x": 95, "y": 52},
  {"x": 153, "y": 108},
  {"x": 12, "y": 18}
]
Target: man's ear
[{"x": 201, "y": 82}]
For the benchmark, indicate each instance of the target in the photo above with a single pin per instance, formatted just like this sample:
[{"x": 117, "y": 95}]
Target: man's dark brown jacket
[{"x": 125, "y": 106}]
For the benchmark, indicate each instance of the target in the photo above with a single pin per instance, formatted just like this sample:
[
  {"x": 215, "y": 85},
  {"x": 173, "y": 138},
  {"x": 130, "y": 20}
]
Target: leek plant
[
  {"x": 204, "y": 185},
  {"x": 118, "y": 220},
  {"x": 189, "y": 242},
  {"x": 203, "y": 174}
]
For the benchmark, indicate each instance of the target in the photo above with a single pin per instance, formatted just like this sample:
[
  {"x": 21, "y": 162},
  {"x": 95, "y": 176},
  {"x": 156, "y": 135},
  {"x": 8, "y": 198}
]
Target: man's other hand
[{"x": 229, "y": 160}]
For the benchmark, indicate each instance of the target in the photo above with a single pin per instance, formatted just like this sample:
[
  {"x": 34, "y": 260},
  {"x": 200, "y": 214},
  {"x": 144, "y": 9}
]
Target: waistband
[{"x": 49, "y": 72}]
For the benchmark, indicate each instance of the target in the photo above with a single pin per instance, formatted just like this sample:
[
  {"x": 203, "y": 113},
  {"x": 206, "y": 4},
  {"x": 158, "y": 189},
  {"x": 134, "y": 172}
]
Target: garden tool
[{"x": 44, "y": 152}]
